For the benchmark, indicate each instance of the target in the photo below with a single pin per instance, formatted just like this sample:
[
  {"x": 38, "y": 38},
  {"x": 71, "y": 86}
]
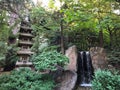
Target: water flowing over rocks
[
  {"x": 85, "y": 69},
  {"x": 67, "y": 79}
]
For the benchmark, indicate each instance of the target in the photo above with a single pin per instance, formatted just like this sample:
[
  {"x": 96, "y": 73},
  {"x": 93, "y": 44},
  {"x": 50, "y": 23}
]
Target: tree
[
  {"x": 89, "y": 15},
  {"x": 18, "y": 7},
  {"x": 44, "y": 26}
]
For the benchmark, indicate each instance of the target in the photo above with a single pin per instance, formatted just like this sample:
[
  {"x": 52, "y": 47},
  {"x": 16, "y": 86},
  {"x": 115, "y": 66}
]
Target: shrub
[
  {"x": 25, "y": 79},
  {"x": 11, "y": 58},
  {"x": 48, "y": 60},
  {"x": 2, "y": 60},
  {"x": 114, "y": 56},
  {"x": 106, "y": 80},
  {"x": 8, "y": 59}
]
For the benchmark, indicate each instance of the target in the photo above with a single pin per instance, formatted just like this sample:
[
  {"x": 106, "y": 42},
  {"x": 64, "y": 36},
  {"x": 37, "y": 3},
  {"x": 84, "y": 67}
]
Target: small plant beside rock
[{"x": 106, "y": 80}]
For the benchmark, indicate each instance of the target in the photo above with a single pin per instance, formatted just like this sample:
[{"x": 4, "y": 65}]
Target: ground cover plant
[
  {"x": 25, "y": 79},
  {"x": 106, "y": 80}
]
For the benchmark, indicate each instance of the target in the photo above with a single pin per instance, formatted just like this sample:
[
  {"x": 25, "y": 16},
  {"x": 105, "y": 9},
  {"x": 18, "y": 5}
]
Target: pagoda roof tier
[
  {"x": 24, "y": 63},
  {"x": 25, "y": 52},
  {"x": 26, "y": 27},
  {"x": 26, "y": 34},
  {"x": 25, "y": 42}
]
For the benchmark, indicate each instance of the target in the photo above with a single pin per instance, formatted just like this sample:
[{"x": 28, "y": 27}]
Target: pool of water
[{"x": 86, "y": 85}]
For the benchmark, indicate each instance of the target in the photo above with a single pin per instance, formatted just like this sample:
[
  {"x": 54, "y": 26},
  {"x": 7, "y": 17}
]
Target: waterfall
[{"x": 85, "y": 69}]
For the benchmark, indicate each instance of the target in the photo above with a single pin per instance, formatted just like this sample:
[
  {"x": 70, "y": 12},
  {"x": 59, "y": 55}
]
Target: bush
[
  {"x": 25, "y": 79},
  {"x": 114, "y": 56},
  {"x": 106, "y": 80},
  {"x": 48, "y": 60},
  {"x": 11, "y": 58},
  {"x": 2, "y": 60}
]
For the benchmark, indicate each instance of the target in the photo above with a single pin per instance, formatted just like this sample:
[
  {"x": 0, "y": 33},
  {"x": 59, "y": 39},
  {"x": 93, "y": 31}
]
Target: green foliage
[
  {"x": 3, "y": 48},
  {"x": 106, "y": 80},
  {"x": 42, "y": 21},
  {"x": 11, "y": 57},
  {"x": 2, "y": 61},
  {"x": 114, "y": 56},
  {"x": 7, "y": 52},
  {"x": 91, "y": 16},
  {"x": 4, "y": 32},
  {"x": 83, "y": 38},
  {"x": 50, "y": 48},
  {"x": 25, "y": 79},
  {"x": 48, "y": 60},
  {"x": 44, "y": 26}
]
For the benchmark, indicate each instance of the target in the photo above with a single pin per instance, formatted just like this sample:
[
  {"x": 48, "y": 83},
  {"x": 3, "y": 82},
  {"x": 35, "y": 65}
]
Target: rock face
[
  {"x": 1, "y": 69},
  {"x": 71, "y": 53},
  {"x": 67, "y": 80},
  {"x": 98, "y": 56}
]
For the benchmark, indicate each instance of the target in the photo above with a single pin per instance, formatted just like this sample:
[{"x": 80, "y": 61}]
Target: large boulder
[
  {"x": 99, "y": 58},
  {"x": 1, "y": 69},
  {"x": 71, "y": 53},
  {"x": 66, "y": 81}
]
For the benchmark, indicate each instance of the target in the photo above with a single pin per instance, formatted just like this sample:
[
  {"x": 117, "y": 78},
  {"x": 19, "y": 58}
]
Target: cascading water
[{"x": 85, "y": 69}]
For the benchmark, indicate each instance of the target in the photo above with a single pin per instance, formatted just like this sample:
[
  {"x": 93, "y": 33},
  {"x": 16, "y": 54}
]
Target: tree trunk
[
  {"x": 116, "y": 37},
  {"x": 111, "y": 36},
  {"x": 101, "y": 38},
  {"x": 62, "y": 36}
]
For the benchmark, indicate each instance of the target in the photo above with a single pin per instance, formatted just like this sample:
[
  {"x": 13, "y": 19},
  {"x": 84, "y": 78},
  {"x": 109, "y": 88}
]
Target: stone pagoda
[{"x": 24, "y": 43}]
